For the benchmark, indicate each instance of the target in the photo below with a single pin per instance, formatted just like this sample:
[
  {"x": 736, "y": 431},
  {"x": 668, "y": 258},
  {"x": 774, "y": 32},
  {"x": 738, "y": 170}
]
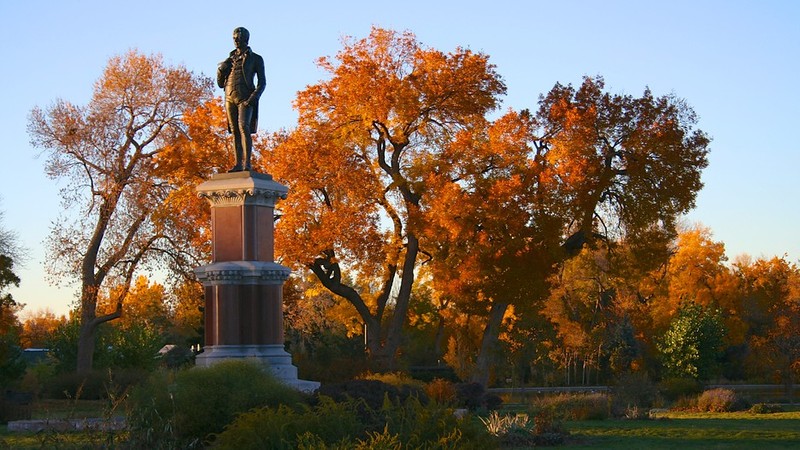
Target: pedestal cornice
[{"x": 242, "y": 188}]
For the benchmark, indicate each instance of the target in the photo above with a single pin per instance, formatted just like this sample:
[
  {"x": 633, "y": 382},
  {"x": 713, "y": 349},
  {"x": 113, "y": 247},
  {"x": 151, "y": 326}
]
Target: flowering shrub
[{"x": 720, "y": 400}]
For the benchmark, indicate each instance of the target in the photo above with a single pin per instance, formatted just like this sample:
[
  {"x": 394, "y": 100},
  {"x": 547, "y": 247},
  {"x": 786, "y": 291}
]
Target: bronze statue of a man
[{"x": 235, "y": 75}]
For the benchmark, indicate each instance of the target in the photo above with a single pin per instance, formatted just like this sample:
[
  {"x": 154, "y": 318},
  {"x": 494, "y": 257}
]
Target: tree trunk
[
  {"x": 87, "y": 330},
  {"x": 88, "y": 327},
  {"x": 86, "y": 345},
  {"x": 439, "y": 344},
  {"x": 395, "y": 331},
  {"x": 491, "y": 336},
  {"x": 375, "y": 349},
  {"x": 329, "y": 274}
]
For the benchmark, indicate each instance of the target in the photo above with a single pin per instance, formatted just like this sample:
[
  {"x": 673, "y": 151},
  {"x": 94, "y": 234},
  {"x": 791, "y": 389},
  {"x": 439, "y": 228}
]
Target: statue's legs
[
  {"x": 232, "y": 109},
  {"x": 239, "y": 120},
  {"x": 245, "y": 115}
]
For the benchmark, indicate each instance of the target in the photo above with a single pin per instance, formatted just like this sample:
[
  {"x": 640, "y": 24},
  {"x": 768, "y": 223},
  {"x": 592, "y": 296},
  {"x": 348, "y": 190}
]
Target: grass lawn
[{"x": 677, "y": 430}]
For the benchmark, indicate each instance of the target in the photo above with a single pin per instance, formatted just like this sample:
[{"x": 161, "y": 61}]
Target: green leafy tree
[
  {"x": 131, "y": 347},
  {"x": 693, "y": 345}
]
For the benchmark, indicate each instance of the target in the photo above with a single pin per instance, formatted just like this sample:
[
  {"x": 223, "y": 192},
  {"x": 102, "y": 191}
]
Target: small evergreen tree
[{"x": 693, "y": 344}]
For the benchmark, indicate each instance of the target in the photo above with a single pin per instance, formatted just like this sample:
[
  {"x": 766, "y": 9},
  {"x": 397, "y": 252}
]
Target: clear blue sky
[{"x": 735, "y": 62}]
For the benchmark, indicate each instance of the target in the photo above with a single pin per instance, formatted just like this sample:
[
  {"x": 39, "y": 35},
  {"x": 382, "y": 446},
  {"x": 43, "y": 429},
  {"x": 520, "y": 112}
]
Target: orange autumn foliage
[{"x": 356, "y": 166}]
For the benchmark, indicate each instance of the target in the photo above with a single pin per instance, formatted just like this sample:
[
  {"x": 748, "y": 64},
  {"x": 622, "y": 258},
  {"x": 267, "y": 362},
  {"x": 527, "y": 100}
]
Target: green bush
[
  {"x": 419, "y": 425},
  {"x": 285, "y": 427},
  {"x": 341, "y": 425},
  {"x": 38, "y": 378},
  {"x": 575, "y": 406},
  {"x": 193, "y": 404},
  {"x": 720, "y": 400},
  {"x": 134, "y": 347}
]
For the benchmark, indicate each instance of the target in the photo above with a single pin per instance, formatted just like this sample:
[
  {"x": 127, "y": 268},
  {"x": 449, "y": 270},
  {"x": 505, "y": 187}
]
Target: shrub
[
  {"x": 473, "y": 396},
  {"x": 632, "y": 392},
  {"x": 38, "y": 378},
  {"x": 720, "y": 400},
  {"x": 341, "y": 425},
  {"x": 511, "y": 430},
  {"x": 575, "y": 406},
  {"x": 284, "y": 427},
  {"x": 12, "y": 362},
  {"x": 441, "y": 391},
  {"x": 371, "y": 392},
  {"x": 685, "y": 404},
  {"x": 766, "y": 408},
  {"x": 519, "y": 431},
  {"x": 192, "y": 404}
]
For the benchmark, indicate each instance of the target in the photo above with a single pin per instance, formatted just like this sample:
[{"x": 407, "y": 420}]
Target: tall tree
[
  {"x": 357, "y": 163},
  {"x": 596, "y": 166},
  {"x": 106, "y": 151},
  {"x": 492, "y": 237}
]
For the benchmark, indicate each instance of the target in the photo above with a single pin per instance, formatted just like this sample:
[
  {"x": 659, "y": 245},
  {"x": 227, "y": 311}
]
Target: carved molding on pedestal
[
  {"x": 242, "y": 272},
  {"x": 242, "y": 188},
  {"x": 236, "y": 197}
]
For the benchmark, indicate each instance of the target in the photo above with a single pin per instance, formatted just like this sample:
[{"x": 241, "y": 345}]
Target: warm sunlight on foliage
[
  {"x": 145, "y": 304},
  {"x": 107, "y": 152},
  {"x": 38, "y": 327},
  {"x": 357, "y": 162}
]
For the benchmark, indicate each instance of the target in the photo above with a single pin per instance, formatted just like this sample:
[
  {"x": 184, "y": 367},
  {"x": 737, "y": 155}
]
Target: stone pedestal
[{"x": 243, "y": 285}]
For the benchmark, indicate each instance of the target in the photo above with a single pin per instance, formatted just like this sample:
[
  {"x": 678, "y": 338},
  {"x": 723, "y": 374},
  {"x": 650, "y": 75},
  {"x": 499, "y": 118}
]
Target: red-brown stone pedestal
[{"x": 243, "y": 285}]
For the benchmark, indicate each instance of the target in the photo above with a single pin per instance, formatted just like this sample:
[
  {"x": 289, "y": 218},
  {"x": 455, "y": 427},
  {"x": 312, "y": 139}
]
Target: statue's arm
[
  {"x": 261, "y": 79},
  {"x": 223, "y": 70}
]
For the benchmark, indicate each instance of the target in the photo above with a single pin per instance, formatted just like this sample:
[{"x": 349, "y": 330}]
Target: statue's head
[{"x": 241, "y": 37}]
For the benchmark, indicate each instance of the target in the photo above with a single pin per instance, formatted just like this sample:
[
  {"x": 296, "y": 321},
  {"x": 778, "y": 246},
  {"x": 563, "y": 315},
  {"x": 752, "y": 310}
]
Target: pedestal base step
[{"x": 272, "y": 357}]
